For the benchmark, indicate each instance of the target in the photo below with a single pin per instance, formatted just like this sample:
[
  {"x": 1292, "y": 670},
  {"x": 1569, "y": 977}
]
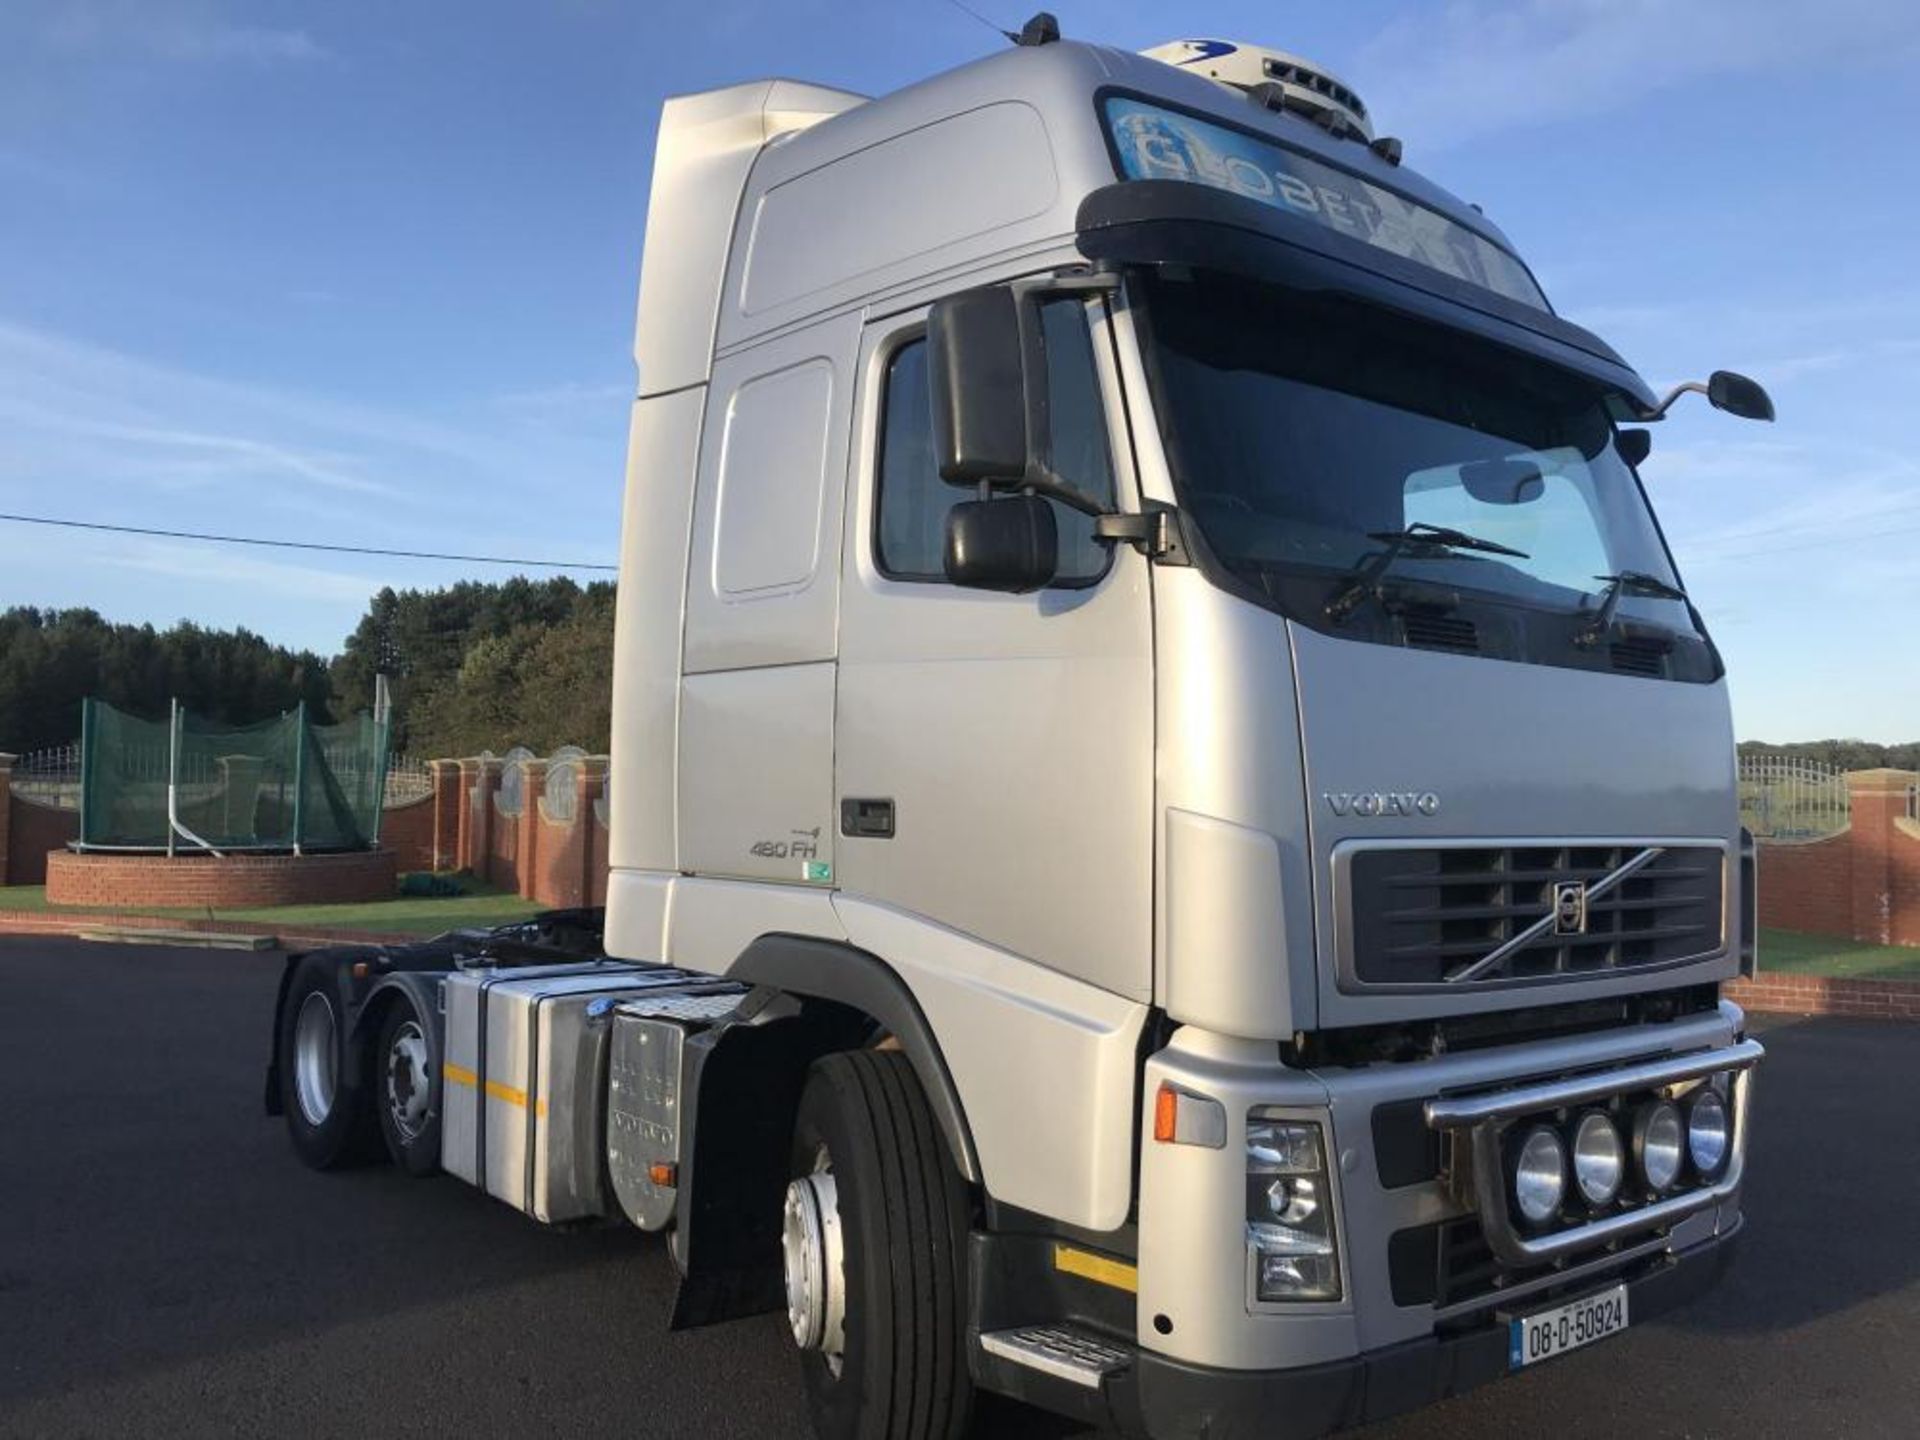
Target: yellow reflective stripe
[
  {"x": 1097, "y": 1268},
  {"x": 460, "y": 1075}
]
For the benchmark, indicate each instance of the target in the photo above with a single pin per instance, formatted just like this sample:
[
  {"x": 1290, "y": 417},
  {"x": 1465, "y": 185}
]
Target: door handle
[{"x": 867, "y": 819}]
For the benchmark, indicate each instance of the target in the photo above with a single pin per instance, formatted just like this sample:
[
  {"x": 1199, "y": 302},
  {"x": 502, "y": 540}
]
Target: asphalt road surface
[{"x": 168, "y": 1268}]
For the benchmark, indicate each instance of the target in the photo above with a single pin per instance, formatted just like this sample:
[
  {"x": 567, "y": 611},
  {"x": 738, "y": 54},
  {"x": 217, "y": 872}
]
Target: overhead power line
[{"x": 302, "y": 544}]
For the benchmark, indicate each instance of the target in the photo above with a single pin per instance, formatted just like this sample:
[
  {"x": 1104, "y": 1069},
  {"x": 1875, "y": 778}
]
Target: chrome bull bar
[{"x": 1482, "y": 1119}]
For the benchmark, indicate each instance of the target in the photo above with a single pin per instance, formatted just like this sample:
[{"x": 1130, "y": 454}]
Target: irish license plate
[{"x": 1532, "y": 1338}]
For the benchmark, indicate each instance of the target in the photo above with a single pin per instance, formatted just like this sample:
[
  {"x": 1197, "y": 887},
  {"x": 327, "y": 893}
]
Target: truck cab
[
  {"x": 1039, "y": 586},
  {"x": 1153, "y": 711}
]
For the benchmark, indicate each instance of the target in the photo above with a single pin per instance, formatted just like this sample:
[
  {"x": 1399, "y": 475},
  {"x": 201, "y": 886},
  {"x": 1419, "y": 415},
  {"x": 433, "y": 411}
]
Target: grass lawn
[
  {"x": 403, "y": 914},
  {"x": 1788, "y": 952}
]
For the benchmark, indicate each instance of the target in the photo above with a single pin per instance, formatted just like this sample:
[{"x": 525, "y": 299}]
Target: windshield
[{"x": 1305, "y": 431}]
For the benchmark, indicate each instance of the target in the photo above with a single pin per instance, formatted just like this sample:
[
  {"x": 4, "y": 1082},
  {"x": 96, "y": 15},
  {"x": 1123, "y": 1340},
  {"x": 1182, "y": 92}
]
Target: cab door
[
  {"x": 755, "y": 758},
  {"x": 994, "y": 753}
]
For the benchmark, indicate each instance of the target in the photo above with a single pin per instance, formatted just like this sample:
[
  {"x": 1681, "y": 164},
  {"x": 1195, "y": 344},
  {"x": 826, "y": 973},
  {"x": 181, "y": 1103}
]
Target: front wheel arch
[{"x": 846, "y": 976}]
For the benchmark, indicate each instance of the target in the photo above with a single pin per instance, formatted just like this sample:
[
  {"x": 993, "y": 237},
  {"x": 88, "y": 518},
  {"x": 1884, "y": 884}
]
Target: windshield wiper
[
  {"x": 1627, "y": 582},
  {"x": 1418, "y": 538}
]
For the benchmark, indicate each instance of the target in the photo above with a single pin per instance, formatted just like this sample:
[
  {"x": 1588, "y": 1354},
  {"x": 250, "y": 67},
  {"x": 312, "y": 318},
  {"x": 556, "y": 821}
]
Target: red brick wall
[
  {"x": 597, "y": 864},
  {"x": 446, "y": 815},
  {"x": 1904, "y": 882},
  {"x": 557, "y": 874},
  {"x": 1863, "y": 883},
  {"x": 407, "y": 830},
  {"x": 1826, "y": 995},
  {"x": 501, "y": 859},
  {"x": 232, "y": 881},
  {"x": 30, "y": 831},
  {"x": 570, "y": 856},
  {"x": 1808, "y": 886}
]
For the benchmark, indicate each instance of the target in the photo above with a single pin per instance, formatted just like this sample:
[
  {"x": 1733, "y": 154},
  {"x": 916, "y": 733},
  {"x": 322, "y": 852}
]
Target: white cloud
[
  {"x": 189, "y": 31},
  {"x": 228, "y": 570},
  {"x": 1452, "y": 72},
  {"x": 570, "y": 402},
  {"x": 75, "y": 409},
  {"x": 251, "y": 43}
]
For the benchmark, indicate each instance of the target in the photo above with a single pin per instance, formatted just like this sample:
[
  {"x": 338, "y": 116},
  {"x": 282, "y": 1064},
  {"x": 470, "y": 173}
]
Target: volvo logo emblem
[
  {"x": 1570, "y": 907},
  {"x": 1371, "y": 803}
]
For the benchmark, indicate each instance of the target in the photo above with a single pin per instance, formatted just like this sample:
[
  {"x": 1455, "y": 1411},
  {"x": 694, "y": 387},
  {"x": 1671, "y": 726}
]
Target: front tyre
[
  {"x": 873, "y": 1247},
  {"x": 328, "y": 1115},
  {"x": 407, "y": 1082}
]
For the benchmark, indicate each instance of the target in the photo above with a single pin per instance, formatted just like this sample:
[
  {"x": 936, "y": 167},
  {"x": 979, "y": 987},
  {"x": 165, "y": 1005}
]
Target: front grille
[
  {"x": 1420, "y": 914},
  {"x": 1449, "y": 1263},
  {"x": 1467, "y": 1267}
]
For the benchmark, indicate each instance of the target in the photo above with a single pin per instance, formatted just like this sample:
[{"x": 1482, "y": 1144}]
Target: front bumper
[{"x": 1176, "y": 1399}]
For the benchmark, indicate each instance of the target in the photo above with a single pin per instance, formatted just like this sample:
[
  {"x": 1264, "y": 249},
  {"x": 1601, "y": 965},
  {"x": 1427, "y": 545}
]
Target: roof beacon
[{"x": 1299, "y": 85}]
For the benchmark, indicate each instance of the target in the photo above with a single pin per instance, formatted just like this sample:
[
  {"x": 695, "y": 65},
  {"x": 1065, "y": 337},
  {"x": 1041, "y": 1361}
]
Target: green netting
[{"x": 279, "y": 785}]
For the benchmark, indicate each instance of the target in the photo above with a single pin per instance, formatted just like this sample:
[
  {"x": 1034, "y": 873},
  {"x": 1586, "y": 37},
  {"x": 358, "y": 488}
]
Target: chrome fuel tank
[{"x": 526, "y": 1081}]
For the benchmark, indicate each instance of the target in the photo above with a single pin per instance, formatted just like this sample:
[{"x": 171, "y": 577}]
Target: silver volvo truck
[{"x": 1173, "y": 829}]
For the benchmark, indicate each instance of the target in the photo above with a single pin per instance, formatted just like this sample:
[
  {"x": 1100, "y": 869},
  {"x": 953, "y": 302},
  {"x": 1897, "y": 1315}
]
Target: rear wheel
[
  {"x": 873, "y": 1245},
  {"x": 408, "y": 1085},
  {"x": 328, "y": 1116}
]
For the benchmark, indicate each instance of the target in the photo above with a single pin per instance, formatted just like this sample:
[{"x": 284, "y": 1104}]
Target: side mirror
[
  {"x": 1634, "y": 446},
  {"x": 988, "y": 383},
  {"x": 1010, "y": 544},
  {"x": 977, "y": 375},
  {"x": 1737, "y": 395}
]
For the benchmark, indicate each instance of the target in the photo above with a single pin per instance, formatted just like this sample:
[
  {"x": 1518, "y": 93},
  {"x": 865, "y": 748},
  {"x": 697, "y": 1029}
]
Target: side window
[{"x": 911, "y": 531}]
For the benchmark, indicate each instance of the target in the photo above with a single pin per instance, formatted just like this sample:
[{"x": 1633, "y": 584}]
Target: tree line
[
  {"x": 473, "y": 666},
  {"x": 483, "y": 667},
  {"x": 51, "y": 660}
]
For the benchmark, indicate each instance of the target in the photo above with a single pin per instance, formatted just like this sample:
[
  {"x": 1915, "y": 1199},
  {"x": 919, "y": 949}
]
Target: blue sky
[{"x": 364, "y": 273}]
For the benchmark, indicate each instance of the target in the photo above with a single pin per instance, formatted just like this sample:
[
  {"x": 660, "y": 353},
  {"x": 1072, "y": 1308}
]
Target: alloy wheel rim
[
  {"x": 409, "y": 1081},
  {"x": 813, "y": 1261},
  {"x": 316, "y": 1059}
]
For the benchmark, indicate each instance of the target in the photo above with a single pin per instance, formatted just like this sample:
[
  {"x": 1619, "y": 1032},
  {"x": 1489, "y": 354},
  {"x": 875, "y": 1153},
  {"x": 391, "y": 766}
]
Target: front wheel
[{"x": 873, "y": 1248}]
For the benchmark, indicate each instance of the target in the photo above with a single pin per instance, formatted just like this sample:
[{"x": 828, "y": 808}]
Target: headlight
[
  {"x": 1658, "y": 1136},
  {"x": 1540, "y": 1175},
  {"x": 1599, "y": 1159},
  {"x": 1708, "y": 1132},
  {"x": 1289, "y": 1214}
]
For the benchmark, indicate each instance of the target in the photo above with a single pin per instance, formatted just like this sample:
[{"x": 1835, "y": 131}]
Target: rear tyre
[
  {"x": 329, "y": 1117},
  {"x": 407, "y": 1089},
  {"x": 874, "y": 1247}
]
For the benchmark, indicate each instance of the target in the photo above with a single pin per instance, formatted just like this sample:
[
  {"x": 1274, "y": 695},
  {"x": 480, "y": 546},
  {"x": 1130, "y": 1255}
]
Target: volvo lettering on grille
[{"x": 1372, "y": 804}]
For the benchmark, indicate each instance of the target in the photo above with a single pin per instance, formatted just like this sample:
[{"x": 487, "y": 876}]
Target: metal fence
[
  {"x": 408, "y": 779},
  {"x": 52, "y": 776},
  {"x": 1787, "y": 799}
]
